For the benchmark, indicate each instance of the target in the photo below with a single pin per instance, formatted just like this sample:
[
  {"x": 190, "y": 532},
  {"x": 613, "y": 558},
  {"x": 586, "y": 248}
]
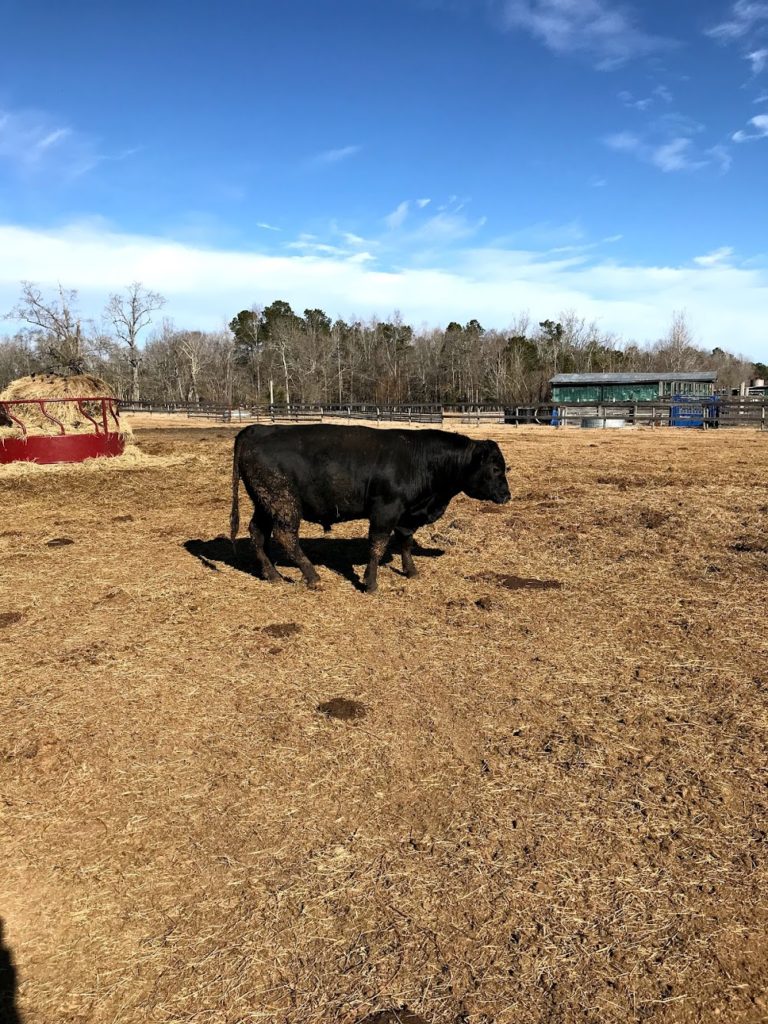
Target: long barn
[{"x": 592, "y": 388}]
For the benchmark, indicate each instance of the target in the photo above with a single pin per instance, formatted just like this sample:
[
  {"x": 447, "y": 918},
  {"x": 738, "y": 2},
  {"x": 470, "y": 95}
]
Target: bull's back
[
  {"x": 332, "y": 470},
  {"x": 335, "y": 472}
]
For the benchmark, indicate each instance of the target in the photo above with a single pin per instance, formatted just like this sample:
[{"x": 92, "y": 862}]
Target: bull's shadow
[
  {"x": 339, "y": 554},
  {"x": 9, "y": 1013}
]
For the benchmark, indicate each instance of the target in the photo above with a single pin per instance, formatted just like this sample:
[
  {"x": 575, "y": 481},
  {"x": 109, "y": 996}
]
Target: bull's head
[{"x": 486, "y": 477}]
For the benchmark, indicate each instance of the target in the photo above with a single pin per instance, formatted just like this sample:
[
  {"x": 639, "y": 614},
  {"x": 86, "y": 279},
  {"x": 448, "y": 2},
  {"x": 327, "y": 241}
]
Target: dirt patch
[
  {"x": 403, "y": 1016},
  {"x": 442, "y": 538},
  {"x": 9, "y": 618},
  {"x": 343, "y": 708},
  {"x": 11, "y": 533},
  {"x": 122, "y": 519},
  {"x": 116, "y": 596},
  {"x": 59, "y": 542},
  {"x": 651, "y": 519},
  {"x": 624, "y": 483},
  {"x": 510, "y": 582},
  {"x": 746, "y": 546},
  {"x": 281, "y": 629}
]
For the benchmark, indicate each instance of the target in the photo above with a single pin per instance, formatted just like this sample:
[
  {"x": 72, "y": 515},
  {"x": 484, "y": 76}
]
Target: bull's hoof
[
  {"x": 371, "y": 588},
  {"x": 410, "y": 573},
  {"x": 313, "y": 584}
]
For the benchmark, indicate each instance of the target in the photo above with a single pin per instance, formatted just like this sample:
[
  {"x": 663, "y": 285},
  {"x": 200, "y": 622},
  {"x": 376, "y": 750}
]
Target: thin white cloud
[
  {"x": 630, "y": 101},
  {"x": 397, "y": 218},
  {"x": 266, "y": 227},
  {"x": 668, "y": 145},
  {"x": 601, "y": 30},
  {"x": 544, "y": 236},
  {"x": 311, "y": 245},
  {"x": 721, "y": 156},
  {"x": 715, "y": 258},
  {"x": 318, "y": 248},
  {"x": 52, "y": 138},
  {"x": 759, "y": 123},
  {"x": 661, "y": 92},
  {"x": 448, "y": 224},
  {"x": 675, "y": 156},
  {"x": 25, "y": 136},
  {"x": 204, "y": 286},
  {"x": 335, "y": 156},
  {"x": 31, "y": 143},
  {"x": 758, "y": 60},
  {"x": 624, "y": 142},
  {"x": 745, "y": 16},
  {"x": 762, "y": 99},
  {"x": 445, "y": 227}
]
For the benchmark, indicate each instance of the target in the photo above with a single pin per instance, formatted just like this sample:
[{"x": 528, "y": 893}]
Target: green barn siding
[{"x": 575, "y": 394}]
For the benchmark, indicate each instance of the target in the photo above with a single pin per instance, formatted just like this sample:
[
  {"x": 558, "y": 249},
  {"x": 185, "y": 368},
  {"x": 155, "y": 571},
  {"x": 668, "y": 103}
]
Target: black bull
[{"x": 397, "y": 479}]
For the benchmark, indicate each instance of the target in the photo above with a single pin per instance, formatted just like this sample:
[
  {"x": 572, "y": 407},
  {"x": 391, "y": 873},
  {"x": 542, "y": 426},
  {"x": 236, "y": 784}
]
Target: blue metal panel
[{"x": 693, "y": 412}]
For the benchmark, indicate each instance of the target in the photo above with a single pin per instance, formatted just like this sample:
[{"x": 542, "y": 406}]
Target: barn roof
[{"x": 705, "y": 376}]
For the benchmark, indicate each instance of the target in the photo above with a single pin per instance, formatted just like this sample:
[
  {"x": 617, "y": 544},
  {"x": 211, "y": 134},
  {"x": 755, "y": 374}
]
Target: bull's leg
[
  {"x": 260, "y": 529},
  {"x": 384, "y": 519},
  {"x": 287, "y": 536},
  {"x": 406, "y": 550},
  {"x": 378, "y": 539}
]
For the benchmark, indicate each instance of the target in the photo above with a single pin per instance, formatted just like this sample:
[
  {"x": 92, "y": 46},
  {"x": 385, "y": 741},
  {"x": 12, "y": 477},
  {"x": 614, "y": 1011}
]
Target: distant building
[
  {"x": 593, "y": 388},
  {"x": 754, "y": 388}
]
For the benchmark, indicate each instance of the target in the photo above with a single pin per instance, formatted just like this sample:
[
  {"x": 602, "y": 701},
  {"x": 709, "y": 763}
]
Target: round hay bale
[
  {"x": 47, "y": 385},
  {"x": 52, "y": 386}
]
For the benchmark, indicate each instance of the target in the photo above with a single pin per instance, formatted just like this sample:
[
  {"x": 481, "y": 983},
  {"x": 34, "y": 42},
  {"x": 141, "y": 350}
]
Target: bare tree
[
  {"x": 54, "y": 325},
  {"x": 678, "y": 348},
  {"x": 17, "y": 359},
  {"x": 129, "y": 314},
  {"x": 195, "y": 349}
]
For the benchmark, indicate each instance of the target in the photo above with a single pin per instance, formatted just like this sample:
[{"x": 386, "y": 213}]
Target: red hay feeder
[{"x": 105, "y": 440}]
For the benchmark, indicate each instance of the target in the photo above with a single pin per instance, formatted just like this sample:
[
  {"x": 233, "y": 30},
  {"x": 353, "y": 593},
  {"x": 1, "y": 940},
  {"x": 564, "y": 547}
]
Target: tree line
[{"x": 272, "y": 353}]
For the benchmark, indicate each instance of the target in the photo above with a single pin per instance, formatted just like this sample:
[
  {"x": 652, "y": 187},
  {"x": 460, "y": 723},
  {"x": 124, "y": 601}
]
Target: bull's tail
[{"x": 234, "y": 515}]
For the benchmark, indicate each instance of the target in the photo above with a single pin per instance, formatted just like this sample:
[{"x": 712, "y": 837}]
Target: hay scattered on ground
[
  {"x": 53, "y": 385},
  {"x": 132, "y": 458},
  {"x": 554, "y": 810}
]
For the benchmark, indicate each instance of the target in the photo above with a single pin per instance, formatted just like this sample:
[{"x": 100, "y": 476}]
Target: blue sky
[{"x": 447, "y": 158}]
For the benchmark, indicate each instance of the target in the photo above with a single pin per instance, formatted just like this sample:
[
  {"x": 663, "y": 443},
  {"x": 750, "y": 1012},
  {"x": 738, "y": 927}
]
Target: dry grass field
[{"x": 548, "y": 802}]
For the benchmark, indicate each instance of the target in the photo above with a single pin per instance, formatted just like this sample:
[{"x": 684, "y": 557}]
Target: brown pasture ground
[{"x": 470, "y": 799}]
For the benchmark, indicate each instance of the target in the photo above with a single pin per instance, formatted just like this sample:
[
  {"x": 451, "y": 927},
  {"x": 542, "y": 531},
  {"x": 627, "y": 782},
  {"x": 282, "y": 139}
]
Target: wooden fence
[
  {"x": 723, "y": 413},
  {"x": 731, "y": 412}
]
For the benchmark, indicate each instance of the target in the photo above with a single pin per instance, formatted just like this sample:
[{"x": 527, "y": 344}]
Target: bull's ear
[
  {"x": 483, "y": 450},
  {"x": 480, "y": 452}
]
